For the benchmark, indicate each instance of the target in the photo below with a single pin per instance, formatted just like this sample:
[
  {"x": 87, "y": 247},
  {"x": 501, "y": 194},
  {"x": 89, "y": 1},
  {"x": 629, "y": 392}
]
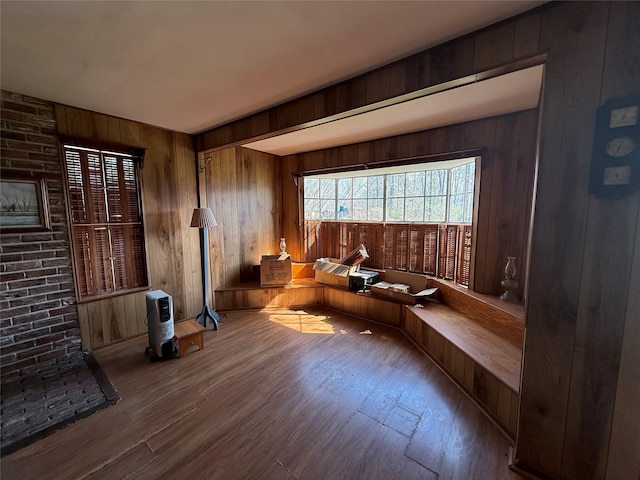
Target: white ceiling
[{"x": 192, "y": 65}]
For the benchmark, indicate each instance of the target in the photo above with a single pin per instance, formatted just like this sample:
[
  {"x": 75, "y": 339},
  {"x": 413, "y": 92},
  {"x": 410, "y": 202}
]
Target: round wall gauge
[{"x": 620, "y": 147}]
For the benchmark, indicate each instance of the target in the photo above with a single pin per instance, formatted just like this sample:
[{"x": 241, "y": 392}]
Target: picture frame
[{"x": 24, "y": 204}]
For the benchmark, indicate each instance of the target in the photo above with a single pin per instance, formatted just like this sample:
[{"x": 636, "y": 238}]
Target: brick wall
[{"x": 38, "y": 314}]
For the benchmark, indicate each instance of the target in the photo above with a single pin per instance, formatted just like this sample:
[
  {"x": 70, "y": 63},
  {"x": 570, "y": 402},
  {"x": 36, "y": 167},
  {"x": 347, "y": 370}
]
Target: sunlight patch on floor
[{"x": 304, "y": 323}]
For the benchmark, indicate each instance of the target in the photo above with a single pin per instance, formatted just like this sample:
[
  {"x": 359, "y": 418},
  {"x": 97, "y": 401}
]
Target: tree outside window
[{"x": 425, "y": 195}]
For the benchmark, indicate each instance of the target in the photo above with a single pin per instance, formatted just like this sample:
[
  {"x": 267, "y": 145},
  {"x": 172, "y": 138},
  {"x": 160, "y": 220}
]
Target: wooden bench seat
[
  {"x": 483, "y": 364},
  {"x": 488, "y": 350},
  {"x": 502, "y": 318}
]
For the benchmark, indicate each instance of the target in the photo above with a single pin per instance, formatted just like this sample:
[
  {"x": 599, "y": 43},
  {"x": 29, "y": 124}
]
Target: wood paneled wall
[
  {"x": 582, "y": 260},
  {"x": 506, "y": 184},
  {"x": 169, "y": 195},
  {"x": 243, "y": 188},
  {"x": 578, "y": 418}
]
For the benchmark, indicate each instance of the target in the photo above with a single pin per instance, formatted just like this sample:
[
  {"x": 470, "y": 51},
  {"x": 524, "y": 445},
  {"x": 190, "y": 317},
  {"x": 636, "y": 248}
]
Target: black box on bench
[{"x": 362, "y": 280}]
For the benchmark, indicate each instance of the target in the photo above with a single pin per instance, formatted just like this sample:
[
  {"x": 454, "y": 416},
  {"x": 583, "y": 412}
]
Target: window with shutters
[
  {"x": 415, "y": 218},
  {"x": 106, "y": 221}
]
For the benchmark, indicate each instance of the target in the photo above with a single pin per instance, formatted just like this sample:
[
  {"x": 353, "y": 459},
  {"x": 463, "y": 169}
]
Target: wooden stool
[{"x": 188, "y": 333}]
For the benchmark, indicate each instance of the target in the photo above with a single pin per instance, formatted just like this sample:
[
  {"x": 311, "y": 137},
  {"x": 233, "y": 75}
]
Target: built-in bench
[
  {"x": 299, "y": 293},
  {"x": 483, "y": 364},
  {"x": 503, "y": 318},
  {"x": 476, "y": 339}
]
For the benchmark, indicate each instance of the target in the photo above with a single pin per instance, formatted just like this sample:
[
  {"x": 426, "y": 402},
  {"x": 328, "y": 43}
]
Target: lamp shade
[{"x": 203, "y": 218}]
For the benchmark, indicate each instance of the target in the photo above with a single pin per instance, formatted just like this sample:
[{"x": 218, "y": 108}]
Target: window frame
[
  {"x": 386, "y": 199},
  {"x": 311, "y": 231},
  {"x": 120, "y": 230}
]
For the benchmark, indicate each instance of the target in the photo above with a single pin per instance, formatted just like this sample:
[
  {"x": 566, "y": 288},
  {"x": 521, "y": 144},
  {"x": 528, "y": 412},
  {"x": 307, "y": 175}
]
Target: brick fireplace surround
[
  {"x": 45, "y": 380},
  {"x": 38, "y": 314}
]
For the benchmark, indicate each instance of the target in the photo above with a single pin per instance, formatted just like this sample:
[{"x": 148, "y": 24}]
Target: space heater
[{"x": 160, "y": 324}]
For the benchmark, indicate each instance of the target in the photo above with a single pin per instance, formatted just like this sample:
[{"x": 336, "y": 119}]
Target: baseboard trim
[{"x": 522, "y": 470}]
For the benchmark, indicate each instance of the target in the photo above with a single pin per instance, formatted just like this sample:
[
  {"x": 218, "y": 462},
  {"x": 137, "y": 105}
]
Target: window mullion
[
  {"x": 448, "y": 196},
  {"x": 112, "y": 269},
  {"x": 336, "y": 207},
  {"x": 384, "y": 198},
  {"x": 112, "y": 273}
]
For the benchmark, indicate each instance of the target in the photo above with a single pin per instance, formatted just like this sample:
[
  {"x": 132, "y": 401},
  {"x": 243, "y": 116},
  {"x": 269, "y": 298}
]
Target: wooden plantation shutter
[
  {"x": 464, "y": 254},
  {"x": 345, "y": 236},
  {"x": 352, "y": 235},
  {"x": 396, "y": 246},
  {"x": 443, "y": 250},
  {"x": 401, "y": 246},
  {"x": 430, "y": 261},
  {"x": 330, "y": 239},
  {"x": 371, "y": 236},
  {"x": 106, "y": 221},
  {"x": 447, "y": 251},
  {"x": 313, "y": 240},
  {"x": 416, "y": 242},
  {"x": 389, "y": 261},
  {"x": 454, "y": 251},
  {"x": 423, "y": 248}
]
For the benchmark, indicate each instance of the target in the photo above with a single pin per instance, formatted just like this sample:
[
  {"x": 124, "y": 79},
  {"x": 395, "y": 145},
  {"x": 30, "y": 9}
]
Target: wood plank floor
[{"x": 285, "y": 394}]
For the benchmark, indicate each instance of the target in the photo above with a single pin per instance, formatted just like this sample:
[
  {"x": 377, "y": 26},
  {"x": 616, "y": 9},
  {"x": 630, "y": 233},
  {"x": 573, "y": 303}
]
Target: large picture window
[
  {"x": 423, "y": 194},
  {"x": 106, "y": 221},
  {"x": 414, "y": 217}
]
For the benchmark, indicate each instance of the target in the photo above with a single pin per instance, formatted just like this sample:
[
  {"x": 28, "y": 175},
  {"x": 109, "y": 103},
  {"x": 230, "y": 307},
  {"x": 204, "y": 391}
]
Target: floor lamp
[{"x": 203, "y": 219}]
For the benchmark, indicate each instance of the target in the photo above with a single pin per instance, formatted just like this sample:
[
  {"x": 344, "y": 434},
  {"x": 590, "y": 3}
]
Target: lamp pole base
[{"x": 206, "y": 315}]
